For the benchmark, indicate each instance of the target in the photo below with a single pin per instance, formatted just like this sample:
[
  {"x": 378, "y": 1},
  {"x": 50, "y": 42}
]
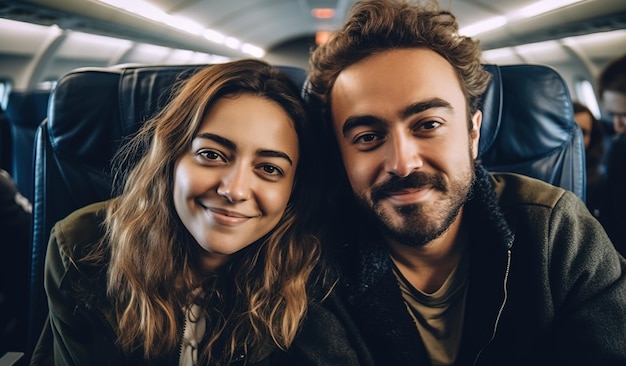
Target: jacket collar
[{"x": 374, "y": 295}]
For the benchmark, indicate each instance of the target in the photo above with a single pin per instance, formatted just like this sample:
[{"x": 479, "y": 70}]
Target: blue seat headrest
[
  {"x": 83, "y": 117},
  {"x": 528, "y": 126}
]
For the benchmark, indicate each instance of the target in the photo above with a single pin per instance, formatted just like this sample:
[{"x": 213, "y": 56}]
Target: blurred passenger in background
[
  {"x": 593, "y": 134},
  {"x": 15, "y": 226},
  {"x": 613, "y": 92},
  {"x": 612, "y": 84}
]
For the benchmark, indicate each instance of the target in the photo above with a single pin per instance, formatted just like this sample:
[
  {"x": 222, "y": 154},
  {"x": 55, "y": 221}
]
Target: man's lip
[{"x": 408, "y": 195}]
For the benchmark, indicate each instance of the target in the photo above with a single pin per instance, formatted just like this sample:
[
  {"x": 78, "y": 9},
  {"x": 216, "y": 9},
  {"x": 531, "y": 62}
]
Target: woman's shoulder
[{"x": 78, "y": 232}]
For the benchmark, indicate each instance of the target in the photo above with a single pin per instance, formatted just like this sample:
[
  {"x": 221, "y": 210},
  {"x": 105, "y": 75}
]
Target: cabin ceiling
[{"x": 269, "y": 24}]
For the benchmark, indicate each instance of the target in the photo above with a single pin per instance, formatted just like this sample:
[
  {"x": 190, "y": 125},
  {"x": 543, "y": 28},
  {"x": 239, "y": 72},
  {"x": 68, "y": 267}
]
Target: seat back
[
  {"x": 25, "y": 111},
  {"x": 92, "y": 110},
  {"x": 528, "y": 127},
  {"x": 72, "y": 148},
  {"x": 5, "y": 141}
]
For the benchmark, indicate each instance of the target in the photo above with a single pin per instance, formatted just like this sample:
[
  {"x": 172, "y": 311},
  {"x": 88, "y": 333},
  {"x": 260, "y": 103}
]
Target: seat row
[{"x": 528, "y": 128}]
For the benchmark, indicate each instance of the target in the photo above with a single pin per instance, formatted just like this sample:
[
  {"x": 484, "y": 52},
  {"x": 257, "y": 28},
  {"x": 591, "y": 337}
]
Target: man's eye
[
  {"x": 369, "y": 137},
  {"x": 431, "y": 125}
]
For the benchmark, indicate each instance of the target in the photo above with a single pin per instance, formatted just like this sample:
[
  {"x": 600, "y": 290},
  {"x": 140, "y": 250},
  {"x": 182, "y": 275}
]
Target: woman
[
  {"x": 204, "y": 257},
  {"x": 593, "y": 137}
]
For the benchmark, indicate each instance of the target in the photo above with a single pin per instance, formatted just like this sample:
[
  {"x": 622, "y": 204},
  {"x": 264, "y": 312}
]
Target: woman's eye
[
  {"x": 365, "y": 138},
  {"x": 211, "y": 155},
  {"x": 271, "y": 170}
]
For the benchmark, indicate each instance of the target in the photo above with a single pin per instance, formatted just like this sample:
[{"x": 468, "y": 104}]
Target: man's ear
[{"x": 477, "y": 120}]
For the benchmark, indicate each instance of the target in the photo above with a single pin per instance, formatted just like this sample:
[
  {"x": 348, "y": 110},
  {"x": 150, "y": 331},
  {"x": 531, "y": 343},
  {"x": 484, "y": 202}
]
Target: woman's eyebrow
[
  {"x": 229, "y": 144},
  {"x": 219, "y": 139},
  {"x": 274, "y": 154}
]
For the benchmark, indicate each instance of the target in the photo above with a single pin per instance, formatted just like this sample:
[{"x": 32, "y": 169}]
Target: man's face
[
  {"x": 400, "y": 119},
  {"x": 615, "y": 104},
  {"x": 585, "y": 121}
]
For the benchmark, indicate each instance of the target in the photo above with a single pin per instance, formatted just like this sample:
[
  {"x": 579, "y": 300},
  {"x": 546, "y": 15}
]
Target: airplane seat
[
  {"x": 72, "y": 147},
  {"x": 528, "y": 127},
  {"x": 25, "y": 111},
  {"x": 92, "y": 112},
  {"x": 5, "y": 142}
]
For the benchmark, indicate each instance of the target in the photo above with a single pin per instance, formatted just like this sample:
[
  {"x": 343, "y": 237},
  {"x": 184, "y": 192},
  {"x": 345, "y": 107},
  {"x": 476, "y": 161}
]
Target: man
[
  {"x": 442, "y": 263},
  {"x": 612, "y": 84},
  {"x": 613, "y": 92}
]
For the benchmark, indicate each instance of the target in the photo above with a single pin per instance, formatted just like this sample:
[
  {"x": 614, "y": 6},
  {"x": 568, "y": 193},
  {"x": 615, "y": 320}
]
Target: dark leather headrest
[
  {"x": 527, "y": 114},
  {"x": 83, "y": 120},
  {"x": 27, "y": 109},
  {"x": 144, "y": 90},
  {"x": 528, "y": 126}
]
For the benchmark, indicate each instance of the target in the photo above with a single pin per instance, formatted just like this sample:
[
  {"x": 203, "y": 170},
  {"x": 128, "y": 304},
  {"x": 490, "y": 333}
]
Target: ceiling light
[
  {"x": 252, "y": 50},
  {"x": 140, "y": 8},
  {"x": 483, "y": 26},
  {"x": 530, "y": 11},
  {"x": 146, "y": 10},
  {"x": 541, "y": 7},
  {"x": 232, "y": 42},
  {"x": 323, "y": 13},
  {"x": 214, "y": 36}
]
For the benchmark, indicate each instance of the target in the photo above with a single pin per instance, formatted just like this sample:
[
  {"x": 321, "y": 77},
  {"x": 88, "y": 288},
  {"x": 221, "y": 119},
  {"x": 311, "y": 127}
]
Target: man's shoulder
[{"x": 516, "y": 189}]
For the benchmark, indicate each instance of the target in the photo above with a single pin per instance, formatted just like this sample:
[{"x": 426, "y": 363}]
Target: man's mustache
[{"x": 415, "y": 180}]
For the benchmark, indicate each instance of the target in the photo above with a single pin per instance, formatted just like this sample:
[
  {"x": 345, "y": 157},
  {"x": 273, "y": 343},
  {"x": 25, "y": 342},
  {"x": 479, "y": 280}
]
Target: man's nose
[{"x": 404, "y": 155}]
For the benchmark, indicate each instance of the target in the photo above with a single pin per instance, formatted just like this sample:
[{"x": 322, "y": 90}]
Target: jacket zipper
[
  {"x": 182, "y": 337},
  {"x": 495, "y": 326}
]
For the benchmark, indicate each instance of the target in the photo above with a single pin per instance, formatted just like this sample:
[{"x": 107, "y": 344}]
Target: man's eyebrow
[
  {"x": 274, "y": 154},
  {"x": 357, "y": 121},
  {"x": 425, "y": 105},
  {"x": 219, "y": 139}
]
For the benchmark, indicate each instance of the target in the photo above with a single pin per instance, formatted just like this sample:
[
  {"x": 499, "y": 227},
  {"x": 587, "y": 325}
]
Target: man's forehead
[
  {"x": 399, "y": 77},
  {"x": 614, "y": 101}
]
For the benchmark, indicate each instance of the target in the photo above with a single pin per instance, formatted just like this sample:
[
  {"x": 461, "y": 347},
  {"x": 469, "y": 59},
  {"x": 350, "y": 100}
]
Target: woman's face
[{"x": 233, "y": 184}]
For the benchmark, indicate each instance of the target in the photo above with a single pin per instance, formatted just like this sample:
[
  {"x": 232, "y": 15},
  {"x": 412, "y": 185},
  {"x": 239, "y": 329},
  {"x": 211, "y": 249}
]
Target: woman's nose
[{"x": 235, "y": 185}]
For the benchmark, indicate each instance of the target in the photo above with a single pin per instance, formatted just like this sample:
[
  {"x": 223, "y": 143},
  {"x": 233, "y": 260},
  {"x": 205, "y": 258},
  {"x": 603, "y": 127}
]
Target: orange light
[
  {"x": 322, "y": 37},
  {"x": 323, "y": 13}
]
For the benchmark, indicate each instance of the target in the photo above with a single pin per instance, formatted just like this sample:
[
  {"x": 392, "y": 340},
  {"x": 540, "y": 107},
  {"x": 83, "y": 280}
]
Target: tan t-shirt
[{"x": 439, "y": 316}]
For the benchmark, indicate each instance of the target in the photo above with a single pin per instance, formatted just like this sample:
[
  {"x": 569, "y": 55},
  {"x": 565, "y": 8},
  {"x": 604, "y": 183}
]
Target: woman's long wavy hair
[{"x": 261, "y": 294}]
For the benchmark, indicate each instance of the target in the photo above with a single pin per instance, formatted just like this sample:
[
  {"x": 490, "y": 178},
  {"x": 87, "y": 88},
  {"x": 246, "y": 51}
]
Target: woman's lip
[
  {"x": 229, "y": 213},
  {"x": 227, "y": 218}
]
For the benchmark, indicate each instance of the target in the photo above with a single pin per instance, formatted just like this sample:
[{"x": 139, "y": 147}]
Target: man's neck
[{"x": 427, "y": 267}]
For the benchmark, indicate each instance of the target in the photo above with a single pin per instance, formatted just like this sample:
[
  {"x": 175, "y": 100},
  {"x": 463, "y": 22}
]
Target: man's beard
[{"x": 420, "y": 224}]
